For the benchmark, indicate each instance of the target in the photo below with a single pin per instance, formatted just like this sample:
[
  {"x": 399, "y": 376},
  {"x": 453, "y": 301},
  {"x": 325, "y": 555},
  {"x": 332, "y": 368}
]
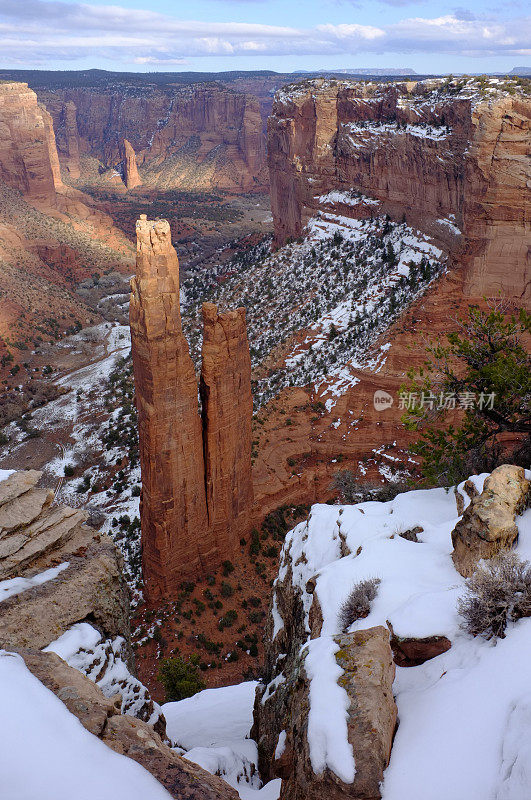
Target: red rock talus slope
[
  {"x": 422, "y": 152},
  {"x": 227, "y": 413},
  {"x": 191, "y": 517},
  {"x": 199, "y": 136}
]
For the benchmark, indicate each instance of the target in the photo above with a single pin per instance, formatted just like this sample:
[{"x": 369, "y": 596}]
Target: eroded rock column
[
  {"x": 131, "y": 176},
  {"x": 176, "y": 541},
  {"x": 227, "y": 414}
]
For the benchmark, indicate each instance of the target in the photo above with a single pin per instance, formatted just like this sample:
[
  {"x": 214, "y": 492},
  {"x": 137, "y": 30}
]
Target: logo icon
[{"x": 382, "y": 400}]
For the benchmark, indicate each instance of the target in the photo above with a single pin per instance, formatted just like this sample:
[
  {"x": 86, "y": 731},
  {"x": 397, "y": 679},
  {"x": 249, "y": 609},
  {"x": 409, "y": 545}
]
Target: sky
[{"x": 427, "y": 36}]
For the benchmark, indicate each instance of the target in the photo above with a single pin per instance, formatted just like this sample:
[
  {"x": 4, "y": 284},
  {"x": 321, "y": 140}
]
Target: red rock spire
[{"x": 187, "y": 531}]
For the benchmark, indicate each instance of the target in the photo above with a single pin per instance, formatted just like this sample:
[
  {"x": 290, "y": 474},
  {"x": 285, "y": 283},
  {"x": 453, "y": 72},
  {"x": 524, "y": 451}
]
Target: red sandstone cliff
[
  {"x": 198, "y": 136},
  {"x": 497, "y": 203},
  {"x": 419, "y": 152},
  {"x": 50, "y": 235},
  {"x": 227, "y": 413},
  {"x": 185, "y": 531},
  {"x": 28, "y": 157}
]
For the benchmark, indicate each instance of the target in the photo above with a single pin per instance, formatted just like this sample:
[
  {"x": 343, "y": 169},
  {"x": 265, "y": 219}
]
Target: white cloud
[{"x": 35, "y": 31}]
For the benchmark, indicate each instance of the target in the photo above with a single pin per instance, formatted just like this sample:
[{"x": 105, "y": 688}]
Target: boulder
[
  {"x": 410, "y": 652},
  {"x": 488, "y": 524}
]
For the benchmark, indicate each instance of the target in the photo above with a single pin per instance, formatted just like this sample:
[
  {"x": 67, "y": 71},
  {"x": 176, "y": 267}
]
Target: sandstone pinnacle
[{"x": 196, "y": 473}]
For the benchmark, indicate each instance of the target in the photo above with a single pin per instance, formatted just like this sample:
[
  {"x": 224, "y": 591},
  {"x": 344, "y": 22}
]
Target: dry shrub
[
  {"x": 497, "y": 593},
  {"x": 358, "y": 603}
]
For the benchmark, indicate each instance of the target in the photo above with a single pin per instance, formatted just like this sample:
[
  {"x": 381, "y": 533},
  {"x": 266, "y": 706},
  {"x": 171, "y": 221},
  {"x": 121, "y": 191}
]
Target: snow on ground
[
  {"x": 213, "y": 728},
  {"x": 13, "y": 586},
  {"x": 360, "y": 134},
  {"x": 450, "y": 224},
  {"x": 46, "y": 753},
  {"x": 347, "y": 198},
  {"x": 5, "y": 473},
  {"x": 103, "y": 661},
  {"x": 464, "y": 718},
  {"x": 462, "y": 714}
]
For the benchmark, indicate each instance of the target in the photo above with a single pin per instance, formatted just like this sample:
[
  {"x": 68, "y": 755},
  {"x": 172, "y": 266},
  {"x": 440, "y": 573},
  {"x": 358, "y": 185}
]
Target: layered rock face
[
  {"x": 28, "y": 156},
  {"x": 420, "y": 153},
  {"x": 196, "y": 484},
  {"x": 200, "y": 136},
  {"x": 227, "y": 413},
  {"x": 37, "y": 535}
]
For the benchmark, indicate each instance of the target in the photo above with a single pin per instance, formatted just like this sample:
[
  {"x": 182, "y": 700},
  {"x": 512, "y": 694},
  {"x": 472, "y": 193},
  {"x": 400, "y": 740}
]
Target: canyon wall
[
  {"x": 28, "y": 156},
  {"x": 446, "y": 162},
  {"x": 497, "y": 222},
  {"x": 51, "y": 236},
  {"x": 196, "y": 476},
  {"x": 198, "y": 136}
]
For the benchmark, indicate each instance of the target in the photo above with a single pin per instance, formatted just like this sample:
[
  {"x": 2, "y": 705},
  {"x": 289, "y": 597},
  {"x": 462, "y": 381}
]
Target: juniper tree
[{"x": 483, "y": 371}]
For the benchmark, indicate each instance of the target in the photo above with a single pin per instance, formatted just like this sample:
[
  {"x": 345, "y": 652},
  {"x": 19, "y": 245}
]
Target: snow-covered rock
[{"x": 458, "y": 712}]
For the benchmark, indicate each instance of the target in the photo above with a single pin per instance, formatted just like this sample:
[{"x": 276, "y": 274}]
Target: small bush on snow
[
  {"x": 497, "y": 593},
  {"x": 358, "y": 603}
]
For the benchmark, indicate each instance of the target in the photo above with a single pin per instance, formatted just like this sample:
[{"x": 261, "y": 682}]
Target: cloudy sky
[{"x": 284, "y": 35}]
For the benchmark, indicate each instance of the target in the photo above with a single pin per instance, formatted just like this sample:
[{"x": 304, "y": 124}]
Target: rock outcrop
[
  {"x": 62, "y": 589},
  {"x": 196, "y": 480},
  {"x": 130, "y": 170},
  {"x": 227, "y": 409},
  {"x": 450, "y": 163},
  {"x": 198, "y": 136},
  {"x": 368, "y": 673},
  {"x": 488, "y": 524},
  {"x": 126, "y": 735},
  {"x": 36, "y": 536},
  {"x": 283, "y": 701}
]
